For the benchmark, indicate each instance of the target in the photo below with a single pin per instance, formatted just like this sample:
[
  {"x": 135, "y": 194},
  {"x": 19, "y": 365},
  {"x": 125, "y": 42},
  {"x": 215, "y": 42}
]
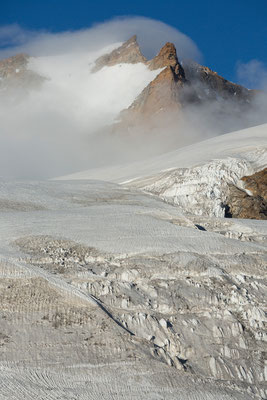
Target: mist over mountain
[{"x": 78, "y": 100}]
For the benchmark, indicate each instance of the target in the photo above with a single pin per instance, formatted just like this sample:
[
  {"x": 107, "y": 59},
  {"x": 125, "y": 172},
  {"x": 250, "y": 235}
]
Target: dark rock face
[
  {"x": 209, "y": 84},
  {"x": 129, "y": 53},
  {"x": 241, "y": 205},
  {"x": 254, "y": 206}
]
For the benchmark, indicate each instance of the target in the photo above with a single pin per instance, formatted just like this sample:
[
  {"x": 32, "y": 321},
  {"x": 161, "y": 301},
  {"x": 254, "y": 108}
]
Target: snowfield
[
  {"x": 247, "y": 145},
  {"x": 197, "y": 177},
  {"x": 135, "y": 290}
]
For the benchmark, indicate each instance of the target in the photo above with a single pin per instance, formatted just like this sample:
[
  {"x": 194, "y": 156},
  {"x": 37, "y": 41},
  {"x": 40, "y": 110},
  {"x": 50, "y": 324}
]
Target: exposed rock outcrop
[
  {"x": 209, "y": 85},
  {"x": 13, "y": 66},
  {"x": 257, "y": 183},
  {"x": 161, "y": 94},
  {"x": 251, "y": 205},
  {"x": 165, "y": 94},
  {"x": 242, "y": 205},
  {"x": 15, "y": 74},
  {"x": 167, "y": 57},
  {"x": 176, "y": 87},
  {"x": 129, "y": 52}
]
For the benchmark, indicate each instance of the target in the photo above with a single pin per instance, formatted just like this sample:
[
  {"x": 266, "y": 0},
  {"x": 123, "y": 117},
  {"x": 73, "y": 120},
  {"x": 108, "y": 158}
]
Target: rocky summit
[
  {"x": 167, "y": 57},
  {"x": 128, "y": 52},
  {"x": 176, "y": 87}
]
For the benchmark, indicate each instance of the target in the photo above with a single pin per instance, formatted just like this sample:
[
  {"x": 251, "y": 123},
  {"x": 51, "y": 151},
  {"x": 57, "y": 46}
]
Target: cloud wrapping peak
[
  {"x": 152, "y": 35},
  {"x": 61, "y": 127}
]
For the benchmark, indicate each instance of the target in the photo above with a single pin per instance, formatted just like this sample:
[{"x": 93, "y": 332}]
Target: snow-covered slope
[
  {"x": 241, "y": 144},
  {"x": 99, "y": 275},
  {"x": 99, "y": 282},
  {"x": 108, "y": 292},
  {"x": 196, "y": 177},
  {"x": 57, "y": 120},
  {"x": 92, "y": 99}
]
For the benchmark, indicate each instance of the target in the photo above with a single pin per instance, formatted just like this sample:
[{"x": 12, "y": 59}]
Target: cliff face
[
  {"x": 163, "y": 91},
  {"x": 165, "y": 94}
]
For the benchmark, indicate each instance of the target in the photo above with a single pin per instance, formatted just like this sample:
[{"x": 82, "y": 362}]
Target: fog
[
  {"x": 63, "y": 125},
  {"x": 152, "y": 35},
  {"x": 252, "y": 74}
]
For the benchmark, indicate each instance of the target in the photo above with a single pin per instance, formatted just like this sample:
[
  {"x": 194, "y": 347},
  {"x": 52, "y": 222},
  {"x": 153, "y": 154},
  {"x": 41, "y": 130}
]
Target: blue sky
[{"x": 226, "y": 32}]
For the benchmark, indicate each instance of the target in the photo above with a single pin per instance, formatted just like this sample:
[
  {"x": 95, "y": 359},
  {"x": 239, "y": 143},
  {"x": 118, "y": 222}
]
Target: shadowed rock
[
  {"x": 241, "y": 205},
  {"x": 209, "y": 85},
  {"x": 254, "y": 205},
  {"x": 257, "y": 183}
]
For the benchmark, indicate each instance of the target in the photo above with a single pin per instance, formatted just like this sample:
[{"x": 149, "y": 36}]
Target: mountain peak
[
  {"x": 128, "y": 53},
  {"x": 132, "y": 39},
  {"x": 167, "y": 57}
]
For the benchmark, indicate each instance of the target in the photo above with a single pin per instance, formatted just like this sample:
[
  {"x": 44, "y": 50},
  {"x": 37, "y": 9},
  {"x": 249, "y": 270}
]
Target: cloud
[
  {"x": 252, "y": 74},
  {"x": 152, "y": 35},
  {"x": 14, "y": 35},
  {"x": 60, "y": 128}
]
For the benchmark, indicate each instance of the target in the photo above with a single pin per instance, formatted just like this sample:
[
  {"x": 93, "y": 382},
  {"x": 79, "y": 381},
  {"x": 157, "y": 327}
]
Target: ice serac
[
  {"x": 134, "y": 298},
  {"x": 129, "y": 52}
]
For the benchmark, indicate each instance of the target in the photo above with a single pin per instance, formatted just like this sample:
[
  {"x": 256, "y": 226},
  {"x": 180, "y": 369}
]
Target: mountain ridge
[{"x": 177, "y": 86}]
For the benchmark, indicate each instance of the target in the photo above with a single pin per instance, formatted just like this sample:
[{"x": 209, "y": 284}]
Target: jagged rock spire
[
  {"x": 167, "y": 57},
  {"x": 129, "y": 52},
  {"x": 165, "y": 92}
]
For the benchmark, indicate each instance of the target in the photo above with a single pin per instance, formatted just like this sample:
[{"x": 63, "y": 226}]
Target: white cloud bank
[
  {"x": 61, "y": 128},
  {"x": 57, "y": 130},
  {"x": 152, "y": 35}
]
